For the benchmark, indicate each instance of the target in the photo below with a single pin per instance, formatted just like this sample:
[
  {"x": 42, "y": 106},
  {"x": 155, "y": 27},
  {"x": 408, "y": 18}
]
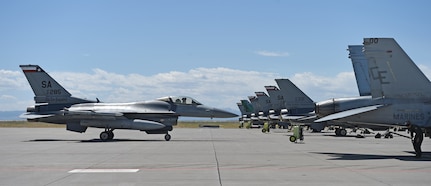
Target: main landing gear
[
  {"x": 340, "y": 132},
  {"x": 107, "y": 135}
]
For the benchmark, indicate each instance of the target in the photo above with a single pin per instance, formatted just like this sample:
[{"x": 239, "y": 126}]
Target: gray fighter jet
[
  {"x": 400, "y": 92},
  {"x": 54, "y": 104}
]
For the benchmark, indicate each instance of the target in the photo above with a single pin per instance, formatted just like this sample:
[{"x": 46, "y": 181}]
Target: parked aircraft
[
  {"x": 298, "y": 106},
  {"x": 54, "y": 104},
  {"x": 400, "y": 92}
]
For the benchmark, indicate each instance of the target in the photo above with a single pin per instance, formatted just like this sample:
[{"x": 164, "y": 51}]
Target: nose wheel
[{"x": 167, "y": 137}]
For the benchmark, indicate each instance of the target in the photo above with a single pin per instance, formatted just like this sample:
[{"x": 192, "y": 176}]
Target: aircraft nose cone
[{"x": 218, "y": 113}]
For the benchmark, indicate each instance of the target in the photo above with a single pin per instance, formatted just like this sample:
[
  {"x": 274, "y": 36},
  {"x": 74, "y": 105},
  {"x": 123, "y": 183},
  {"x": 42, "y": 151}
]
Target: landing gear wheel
[
  {"x": 292, "y": 139},
  {"x": 343, "y": 132},
  {"x": 104, "y": 136},
  {"x": 167, "y": 137}
]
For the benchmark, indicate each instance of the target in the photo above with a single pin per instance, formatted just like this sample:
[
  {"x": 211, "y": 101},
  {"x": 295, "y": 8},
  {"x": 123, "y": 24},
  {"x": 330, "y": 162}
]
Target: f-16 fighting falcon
[{"x": 54, "y": 104}]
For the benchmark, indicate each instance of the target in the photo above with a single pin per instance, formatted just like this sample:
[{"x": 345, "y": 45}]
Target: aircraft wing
[
  {"x": 348, "y": 113},
  {"x": 308, "y": 118},
  {"x": 292, "y": 117}
]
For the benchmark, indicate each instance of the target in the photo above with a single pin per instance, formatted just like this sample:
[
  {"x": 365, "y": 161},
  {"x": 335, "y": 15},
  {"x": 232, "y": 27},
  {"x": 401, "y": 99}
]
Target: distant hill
[{"x": 10, "y": 115}]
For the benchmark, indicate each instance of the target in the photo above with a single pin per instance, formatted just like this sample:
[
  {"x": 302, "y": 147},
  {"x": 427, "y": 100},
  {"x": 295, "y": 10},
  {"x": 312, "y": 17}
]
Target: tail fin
[
  {"x": 264, "y": 101},
  {"x": 241, "y": 108},
  {"x": 294, "y": 98},
  {"x": 46, "y": 89},
  {"x": 276, "y": 97},
  {"x": 247, "y": 106},
  {"x": 296, "y": 101},
  {"x": 392, "y": 73},
  {"x": 360, "y": 67}
]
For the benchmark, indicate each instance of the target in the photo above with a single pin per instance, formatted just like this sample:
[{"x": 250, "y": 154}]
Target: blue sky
[{"x": 215, "y": 51}]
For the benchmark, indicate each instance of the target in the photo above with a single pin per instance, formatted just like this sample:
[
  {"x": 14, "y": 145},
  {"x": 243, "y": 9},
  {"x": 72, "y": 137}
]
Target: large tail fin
[
  {"x": 296, "y": 101},
  {"x": 294, "y": 98},
  {"x": 360, "y": 67},
  {"x": 264, "y": 101},
  {"x": 46, "y": 89},
  {"x": 392, "y": 73}
]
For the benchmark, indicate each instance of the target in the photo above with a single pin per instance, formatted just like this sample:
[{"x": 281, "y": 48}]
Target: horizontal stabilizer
[
  {"x": 348, "y": 113},
  {"x": 28, "y": 115}
]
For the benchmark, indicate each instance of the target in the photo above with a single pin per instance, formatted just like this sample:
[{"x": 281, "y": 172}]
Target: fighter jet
[
  {"x": 400, "y": 92},
  {"x": 54, "y": 104}
]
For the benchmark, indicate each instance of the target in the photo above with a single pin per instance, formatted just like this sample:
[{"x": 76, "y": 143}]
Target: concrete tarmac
[{"x": 207, "y": 156}]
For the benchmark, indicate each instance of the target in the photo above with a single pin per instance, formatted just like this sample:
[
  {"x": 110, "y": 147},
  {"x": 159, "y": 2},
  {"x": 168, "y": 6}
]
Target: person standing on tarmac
[{"x": 417, "y": 139}]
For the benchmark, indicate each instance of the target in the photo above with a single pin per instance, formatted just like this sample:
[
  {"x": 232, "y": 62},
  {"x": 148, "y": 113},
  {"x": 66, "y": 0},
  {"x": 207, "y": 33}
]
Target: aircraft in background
[
  {"x": 400, "y": 92},
  {"x": 298, "y": 106},
  {"x": 283, "y": 105},
  {"x": 54, "y": 104}
]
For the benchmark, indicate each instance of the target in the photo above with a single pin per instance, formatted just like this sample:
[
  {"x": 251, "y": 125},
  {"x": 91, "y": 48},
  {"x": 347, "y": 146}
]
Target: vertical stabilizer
[
  {"x": 276, "y": 97},
  {"x": 392, "y": 73},
  {"x": 294, "y": 97},
  {"x": 247, "y": 106},
  {"x": 45, "y": 88},
  {"x": 264, "y": 101},
  {"x": 360, "y": 67},
  {"x": 296, "y": 101}
]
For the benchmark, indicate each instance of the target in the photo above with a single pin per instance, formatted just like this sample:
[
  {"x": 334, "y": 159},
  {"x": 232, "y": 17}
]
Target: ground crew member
[{"x": 417, "y": 137}]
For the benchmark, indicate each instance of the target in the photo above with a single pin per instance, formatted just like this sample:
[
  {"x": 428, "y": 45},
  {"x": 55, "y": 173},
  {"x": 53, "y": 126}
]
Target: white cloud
[
  {"x": 272, "y": 54},
  {"x": 11, "y": 80},
  {"x": 320, "y": 88}
]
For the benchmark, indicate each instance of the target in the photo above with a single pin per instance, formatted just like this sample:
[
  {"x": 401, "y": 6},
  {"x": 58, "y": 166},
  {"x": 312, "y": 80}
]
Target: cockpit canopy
[{"x": 184, "y": 100}]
